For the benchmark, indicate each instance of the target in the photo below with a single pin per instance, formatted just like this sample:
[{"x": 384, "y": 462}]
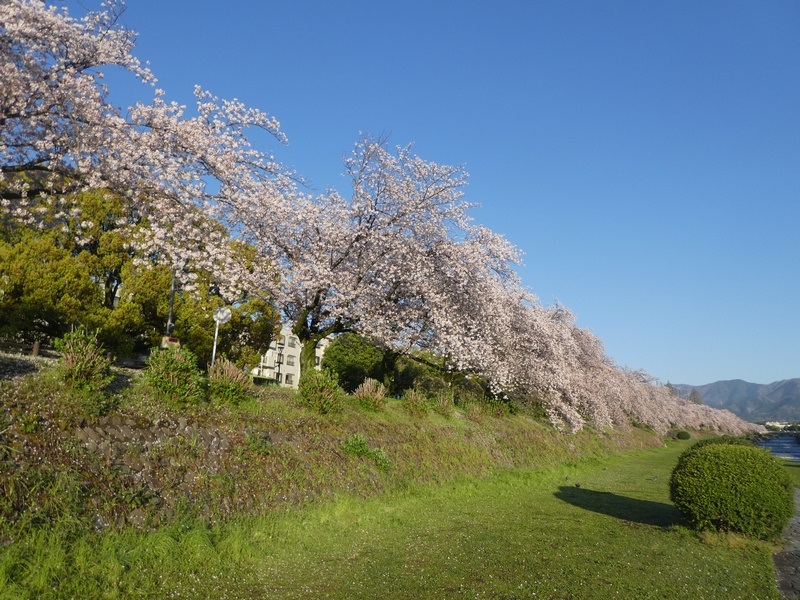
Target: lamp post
[
  {"x": 221, "y": 315},
  {"x": 279, "y": 361}
]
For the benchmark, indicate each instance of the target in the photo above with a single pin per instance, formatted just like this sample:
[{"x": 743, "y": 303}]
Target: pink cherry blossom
[{"x": 398, "y": 259}]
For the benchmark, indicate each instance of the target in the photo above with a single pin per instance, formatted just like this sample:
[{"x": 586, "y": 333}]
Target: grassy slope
[
  {"x": 505, "y": 520},
  {"x": 516, "y": 534}
]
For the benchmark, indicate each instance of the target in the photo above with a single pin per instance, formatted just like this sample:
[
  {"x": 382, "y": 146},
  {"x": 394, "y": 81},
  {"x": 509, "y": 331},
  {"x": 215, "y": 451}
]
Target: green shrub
[
  {"x": 722, "y": 439},
  {"x": 354, "y": 358},
  {"x": 725, "y": 440},
  {"x": 444, "y": 403},
  {"x": 382, "y": 461},
  {"x": 356, "y": 444},
  {"x": 83, "y": 364},
  {"x": 320, "y": 391},
  {"x": 733, "y": 487},
  {"x": 174, "y": 376},
  {"x": 415, "y": 403},
  {"x": 371, "y": 394},
  {"x": 227, "y": 383},
  {"x": 431, "y": 386},
  {"x": 683, "y": 435}
]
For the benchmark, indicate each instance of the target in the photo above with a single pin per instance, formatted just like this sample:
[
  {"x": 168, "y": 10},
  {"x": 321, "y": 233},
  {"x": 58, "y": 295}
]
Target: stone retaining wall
[{"x": 116, "y": 433}]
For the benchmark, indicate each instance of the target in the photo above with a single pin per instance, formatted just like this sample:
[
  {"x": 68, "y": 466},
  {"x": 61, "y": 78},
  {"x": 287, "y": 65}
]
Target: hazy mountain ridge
[{"x": 777, "y": 401}]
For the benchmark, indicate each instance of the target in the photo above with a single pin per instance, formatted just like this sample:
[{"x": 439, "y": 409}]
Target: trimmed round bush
[
  {"x": 683, "y": 435},
  {"x": 733, "y": 487},
  {"x": 729, "y": 440}
]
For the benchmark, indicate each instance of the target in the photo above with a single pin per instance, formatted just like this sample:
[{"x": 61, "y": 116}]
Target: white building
[{"x": 281, "y": 362}]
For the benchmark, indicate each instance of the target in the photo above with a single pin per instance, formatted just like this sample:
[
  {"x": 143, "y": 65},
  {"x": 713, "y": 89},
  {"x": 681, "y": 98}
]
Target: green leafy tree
[
  {"x": 77, "y": 267},
  {"x": 44, "y": 290},
  {"x": 67, "y": 270},
  {"x": 242, "y": 339},
  {"x": 354, "y": 358}
]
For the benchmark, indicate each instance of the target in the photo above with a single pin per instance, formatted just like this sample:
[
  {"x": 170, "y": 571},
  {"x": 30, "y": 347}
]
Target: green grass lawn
[
  {"x": 793, "y": 467},
  {"x": 597, "y": 529}
]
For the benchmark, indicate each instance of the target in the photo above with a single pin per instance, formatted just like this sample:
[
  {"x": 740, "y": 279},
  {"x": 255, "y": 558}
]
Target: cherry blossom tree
[
  {"x": 59, "y": 133},
  {"x": 398, "y": 258}
]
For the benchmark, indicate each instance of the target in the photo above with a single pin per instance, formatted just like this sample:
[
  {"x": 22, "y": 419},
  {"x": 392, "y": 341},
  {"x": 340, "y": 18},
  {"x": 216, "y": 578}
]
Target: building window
[
  {"x": 290, "y": 360},
  {"x": 289, "y": 379},
  {"x": 292, "y": 342},
  {"x": 278, "y": 377},
  {"x": 317, "y": 357},
  {"x": 279, "y": 359}
]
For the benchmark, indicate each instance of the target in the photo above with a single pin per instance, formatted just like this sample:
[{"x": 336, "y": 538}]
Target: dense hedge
[
  {"x": 733, "y": 487},
  {"x": 729, "y": 440},
  {"x": 722, "y": 439}
]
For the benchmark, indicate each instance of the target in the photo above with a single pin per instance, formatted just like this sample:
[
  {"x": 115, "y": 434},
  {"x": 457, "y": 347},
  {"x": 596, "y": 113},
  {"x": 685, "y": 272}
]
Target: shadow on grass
[
  {"x": 621, "y": 507},
  {"x": 11, "y": 367}
]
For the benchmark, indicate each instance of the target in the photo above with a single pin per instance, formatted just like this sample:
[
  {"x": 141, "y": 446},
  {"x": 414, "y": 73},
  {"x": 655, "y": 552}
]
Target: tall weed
[
  {"x": 371, "y": 394},
  {"x": 320, "y": 391},
  {"x": 416, "y": 403},
  {"x": 227, "y": 383},
  {"x": 174, "y": 376},
  {"x": 83, "y": 364}
]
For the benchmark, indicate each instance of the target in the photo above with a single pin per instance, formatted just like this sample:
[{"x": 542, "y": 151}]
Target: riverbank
[
  {"x": 783, "y": 445},
  {"x": 787, "y": 558},
  {"x": 127, "y": 460},
  {"x": 272, "y": 500},
  {"x": 590, "y": 528}
]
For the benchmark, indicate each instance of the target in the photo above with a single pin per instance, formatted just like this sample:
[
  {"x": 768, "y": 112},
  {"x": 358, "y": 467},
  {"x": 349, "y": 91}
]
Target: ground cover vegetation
[
  {"x": 101, "y": 205},
  {"x": 269, "y": 497}
]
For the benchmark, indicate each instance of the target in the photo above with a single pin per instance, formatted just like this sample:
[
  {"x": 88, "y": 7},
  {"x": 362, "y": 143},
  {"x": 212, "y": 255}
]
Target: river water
[{"x": 782, "y": 445}]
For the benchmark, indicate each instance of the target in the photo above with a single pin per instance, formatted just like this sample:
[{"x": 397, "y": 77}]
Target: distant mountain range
[{"x": 778, "y": 401}]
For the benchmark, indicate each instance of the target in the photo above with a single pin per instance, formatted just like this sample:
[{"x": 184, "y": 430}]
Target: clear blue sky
[{"x": 644, "y": 155}]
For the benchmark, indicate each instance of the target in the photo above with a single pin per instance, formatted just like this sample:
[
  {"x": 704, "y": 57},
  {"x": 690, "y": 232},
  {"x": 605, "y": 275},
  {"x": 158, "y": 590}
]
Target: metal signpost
[{"x": 221, "y": 315}]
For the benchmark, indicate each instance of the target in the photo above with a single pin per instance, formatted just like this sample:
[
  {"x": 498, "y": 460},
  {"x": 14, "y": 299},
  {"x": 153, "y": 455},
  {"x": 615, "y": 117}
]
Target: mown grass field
[
  {"x": 598, "y": 528},
  {"x": 794, "y": 470}
]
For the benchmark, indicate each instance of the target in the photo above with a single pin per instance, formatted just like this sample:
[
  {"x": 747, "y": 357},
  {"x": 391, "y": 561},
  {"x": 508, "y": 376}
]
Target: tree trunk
[{"x": 308, "y": 356}]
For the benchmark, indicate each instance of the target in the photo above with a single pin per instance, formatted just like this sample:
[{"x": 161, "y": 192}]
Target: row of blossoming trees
[{"x": 398, "y": 259}]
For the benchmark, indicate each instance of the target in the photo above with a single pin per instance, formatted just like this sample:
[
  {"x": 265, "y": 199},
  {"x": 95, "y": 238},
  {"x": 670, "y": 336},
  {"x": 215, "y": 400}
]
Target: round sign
[{"x": 222, "y": 315}]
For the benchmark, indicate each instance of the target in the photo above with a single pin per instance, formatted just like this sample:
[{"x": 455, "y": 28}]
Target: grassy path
[
  {"x": 601, "y": 529},
  {"x": 520, "y": 535}
]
